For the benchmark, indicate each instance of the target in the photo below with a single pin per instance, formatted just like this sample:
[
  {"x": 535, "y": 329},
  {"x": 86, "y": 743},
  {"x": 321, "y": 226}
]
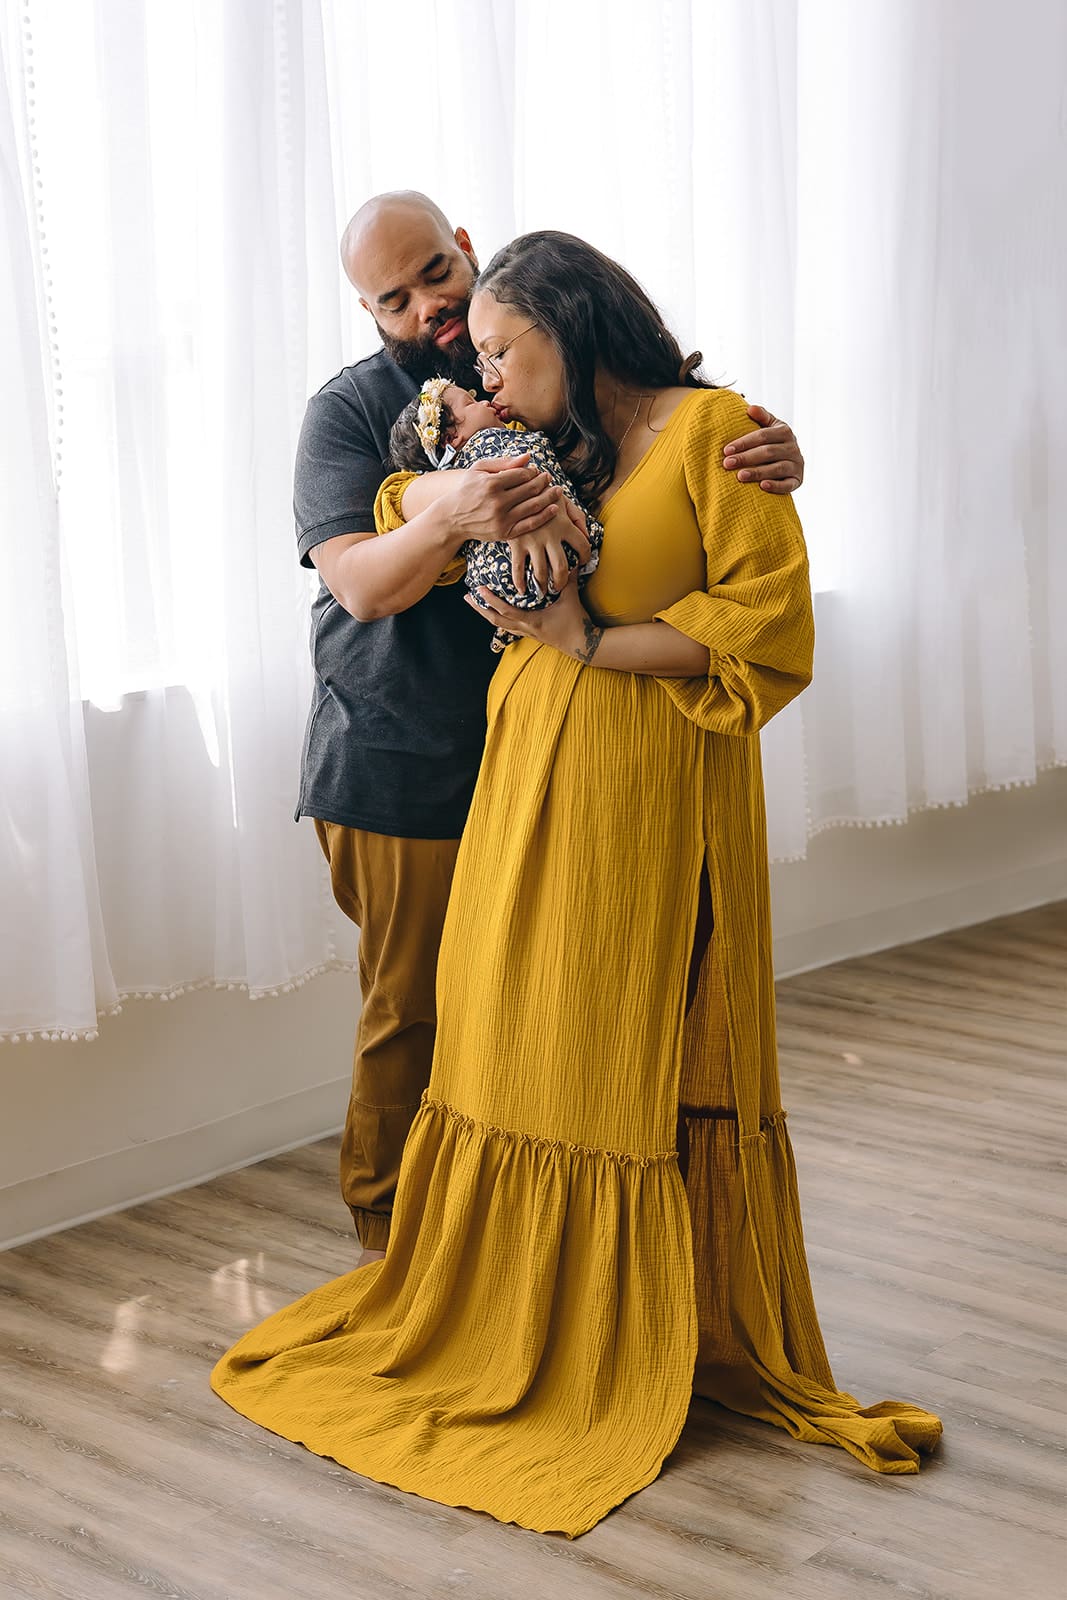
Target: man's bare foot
[{"x": 367, "y": 1256}]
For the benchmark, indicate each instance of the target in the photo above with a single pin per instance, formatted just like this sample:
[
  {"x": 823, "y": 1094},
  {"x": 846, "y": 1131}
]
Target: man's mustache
[{"x": 449, "y": 314}]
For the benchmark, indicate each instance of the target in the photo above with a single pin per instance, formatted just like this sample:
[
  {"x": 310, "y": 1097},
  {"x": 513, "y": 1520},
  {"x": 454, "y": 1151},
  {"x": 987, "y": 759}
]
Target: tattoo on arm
[{"x": 593, "y": 635}]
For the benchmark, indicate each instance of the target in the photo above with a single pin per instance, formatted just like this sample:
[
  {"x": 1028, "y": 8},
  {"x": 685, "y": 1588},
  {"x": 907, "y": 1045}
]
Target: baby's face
[{"x": 470, "y": 415}]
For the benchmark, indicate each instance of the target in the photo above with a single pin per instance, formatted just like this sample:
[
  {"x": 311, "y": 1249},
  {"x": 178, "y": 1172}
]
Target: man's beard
[{"x": 421, "y": 358}]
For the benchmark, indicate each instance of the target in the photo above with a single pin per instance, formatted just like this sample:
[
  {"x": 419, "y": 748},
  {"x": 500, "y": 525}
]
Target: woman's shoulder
[{"x": 716, "y": 416}]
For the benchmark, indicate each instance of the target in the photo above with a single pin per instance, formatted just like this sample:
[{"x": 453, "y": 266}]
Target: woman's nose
[{"x": 491, "y": 379}]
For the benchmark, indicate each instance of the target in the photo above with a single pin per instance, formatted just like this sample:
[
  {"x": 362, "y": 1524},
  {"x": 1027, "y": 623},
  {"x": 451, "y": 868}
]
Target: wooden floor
[{"x": 923, "y": 1087}]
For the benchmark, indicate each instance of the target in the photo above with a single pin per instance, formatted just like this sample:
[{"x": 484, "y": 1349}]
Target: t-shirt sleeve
[
  {"x": 755, "y": 614},
  {"x": 338, "y": 472}
]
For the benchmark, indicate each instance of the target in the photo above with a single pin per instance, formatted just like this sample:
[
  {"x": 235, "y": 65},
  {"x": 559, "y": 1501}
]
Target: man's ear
[
  {"x": 463, "y": 239},
  {"x": 364, "y": 304}
]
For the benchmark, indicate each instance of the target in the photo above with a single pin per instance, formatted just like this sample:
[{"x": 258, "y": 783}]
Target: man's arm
[
  {"x": 376, "y": 577},
  {"x": 338, "y": 475},
  {"x": 363, "y": 572},
  {"x": 538, "y": 533}
]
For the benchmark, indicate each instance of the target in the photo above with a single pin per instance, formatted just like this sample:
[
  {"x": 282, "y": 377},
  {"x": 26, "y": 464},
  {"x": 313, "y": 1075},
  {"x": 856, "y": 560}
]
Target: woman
[{"x": 551, "y": 1294}]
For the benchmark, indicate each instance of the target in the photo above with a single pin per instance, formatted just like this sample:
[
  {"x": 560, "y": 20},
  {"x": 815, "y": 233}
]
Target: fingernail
[{"x": 744, "y": 477}]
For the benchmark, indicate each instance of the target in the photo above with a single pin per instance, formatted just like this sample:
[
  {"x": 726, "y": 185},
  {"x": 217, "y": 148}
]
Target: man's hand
[
  {"x": 771, "y": 455},
  {"x": 545, "y": 548},
  {"x": 499, "y": 499}
]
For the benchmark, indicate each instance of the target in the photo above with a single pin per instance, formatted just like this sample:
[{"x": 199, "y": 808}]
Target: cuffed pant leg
[{"x": 397, "y": 892}]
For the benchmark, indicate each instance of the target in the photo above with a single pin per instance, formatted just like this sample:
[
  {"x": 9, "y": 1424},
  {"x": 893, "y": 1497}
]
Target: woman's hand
[
  {"x": 771, "y": 455},
  {"x": 565, "y": 625}
]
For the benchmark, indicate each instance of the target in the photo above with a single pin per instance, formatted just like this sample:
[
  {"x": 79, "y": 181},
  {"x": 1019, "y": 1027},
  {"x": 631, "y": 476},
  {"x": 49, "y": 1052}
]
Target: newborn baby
[{"x": 449, "y": 427}]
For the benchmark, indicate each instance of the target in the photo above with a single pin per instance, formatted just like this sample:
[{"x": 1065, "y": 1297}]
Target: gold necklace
[{"x": 633, "y": 419}]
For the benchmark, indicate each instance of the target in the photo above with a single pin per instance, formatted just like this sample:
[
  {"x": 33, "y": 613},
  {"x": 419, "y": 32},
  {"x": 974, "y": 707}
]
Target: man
[{"x": 402, "y": 666}]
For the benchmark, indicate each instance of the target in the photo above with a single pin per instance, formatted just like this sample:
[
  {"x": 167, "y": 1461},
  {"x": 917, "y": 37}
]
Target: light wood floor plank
[{"x": 925, "y": 1095}]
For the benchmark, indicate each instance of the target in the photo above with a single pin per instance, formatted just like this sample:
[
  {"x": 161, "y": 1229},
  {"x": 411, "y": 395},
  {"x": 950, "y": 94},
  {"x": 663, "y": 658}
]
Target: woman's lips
[
  {"x": 451, "y": 330},
  {"x": 502, "y": 411}
]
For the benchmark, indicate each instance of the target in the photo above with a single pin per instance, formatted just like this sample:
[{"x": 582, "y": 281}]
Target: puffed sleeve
[
  {"x": 755, "y": 616},
  {"x": 389, "y": 515}
]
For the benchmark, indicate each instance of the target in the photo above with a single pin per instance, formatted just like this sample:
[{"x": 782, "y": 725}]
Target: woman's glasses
[{"x": 486, "y": 365}]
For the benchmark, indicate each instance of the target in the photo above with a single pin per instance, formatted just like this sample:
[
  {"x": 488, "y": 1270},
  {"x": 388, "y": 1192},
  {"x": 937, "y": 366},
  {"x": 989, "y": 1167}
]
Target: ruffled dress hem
[{"x": 408, "y": 1372}]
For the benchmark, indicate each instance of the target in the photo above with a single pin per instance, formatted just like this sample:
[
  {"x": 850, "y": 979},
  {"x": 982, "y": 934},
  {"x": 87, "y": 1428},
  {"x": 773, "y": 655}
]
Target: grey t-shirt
[{"x": 397, "y": 722}]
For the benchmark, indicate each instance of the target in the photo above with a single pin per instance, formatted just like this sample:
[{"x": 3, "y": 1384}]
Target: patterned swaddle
[{"x": 489, "y": 564}]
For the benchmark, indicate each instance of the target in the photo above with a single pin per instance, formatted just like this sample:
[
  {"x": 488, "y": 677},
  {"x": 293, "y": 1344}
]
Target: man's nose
[{"x": 431, "y": 307}]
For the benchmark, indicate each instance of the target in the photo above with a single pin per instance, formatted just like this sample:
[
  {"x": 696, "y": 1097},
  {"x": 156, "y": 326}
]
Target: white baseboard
[
  {"x": 80, "y": 1193},
  {"x": 886, "y": 926}
]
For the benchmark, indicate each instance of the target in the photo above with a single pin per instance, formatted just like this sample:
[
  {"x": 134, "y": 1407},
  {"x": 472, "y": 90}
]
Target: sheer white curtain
[
  {"x": 54, "y": 959},
  {"x": 855, "y": 211},
  {"x": 858, "y": 213},
  {"x": 179, "y": 160}
]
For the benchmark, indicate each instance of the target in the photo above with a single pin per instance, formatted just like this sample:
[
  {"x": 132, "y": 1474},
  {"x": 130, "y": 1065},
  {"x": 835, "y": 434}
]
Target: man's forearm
[
  {"x": 422, "y": 493},
  {"x": 383, "y": 575}
]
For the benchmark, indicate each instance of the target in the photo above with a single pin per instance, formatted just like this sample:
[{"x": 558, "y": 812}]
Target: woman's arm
[
  {"x": 755, "y": 616},
  {"x": 653, "y": 648},
  {"x": 732, "y": 655}
]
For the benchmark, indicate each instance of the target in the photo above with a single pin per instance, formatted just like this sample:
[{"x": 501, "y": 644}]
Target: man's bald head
[
  {"x": 383, "y": 219},
  {"x": 414, "y": 275}
]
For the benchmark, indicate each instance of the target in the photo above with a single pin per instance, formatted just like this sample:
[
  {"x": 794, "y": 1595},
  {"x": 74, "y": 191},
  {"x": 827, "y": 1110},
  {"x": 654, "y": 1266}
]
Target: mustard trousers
[{"x": 396, "y": 891}]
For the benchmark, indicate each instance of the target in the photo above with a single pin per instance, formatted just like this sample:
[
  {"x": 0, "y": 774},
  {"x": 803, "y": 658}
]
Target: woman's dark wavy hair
[{"x": 596, "y": 314}]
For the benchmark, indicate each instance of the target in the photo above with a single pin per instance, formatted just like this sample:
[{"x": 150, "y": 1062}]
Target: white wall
[
  {"x": 170, "y": 1093},
  {"x": 863, "y": 889}
]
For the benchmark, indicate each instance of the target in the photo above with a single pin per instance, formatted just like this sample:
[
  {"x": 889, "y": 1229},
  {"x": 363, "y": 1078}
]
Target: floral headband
[{"x": 428, "y": 421}]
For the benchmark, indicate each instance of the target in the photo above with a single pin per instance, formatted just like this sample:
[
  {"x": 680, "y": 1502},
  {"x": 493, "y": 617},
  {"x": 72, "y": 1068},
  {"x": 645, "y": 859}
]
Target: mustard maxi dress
[{"x": 554, "y": 1287}]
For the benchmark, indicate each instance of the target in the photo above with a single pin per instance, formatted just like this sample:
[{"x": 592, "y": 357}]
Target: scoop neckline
[{"x": 636, "y": 468}]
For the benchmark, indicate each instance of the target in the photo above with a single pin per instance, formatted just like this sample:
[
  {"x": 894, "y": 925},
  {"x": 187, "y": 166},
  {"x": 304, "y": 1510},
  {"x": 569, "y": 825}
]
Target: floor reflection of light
[
  {"x": 235, "y": 1285},
  {"x": 120, "y": 1352}
]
